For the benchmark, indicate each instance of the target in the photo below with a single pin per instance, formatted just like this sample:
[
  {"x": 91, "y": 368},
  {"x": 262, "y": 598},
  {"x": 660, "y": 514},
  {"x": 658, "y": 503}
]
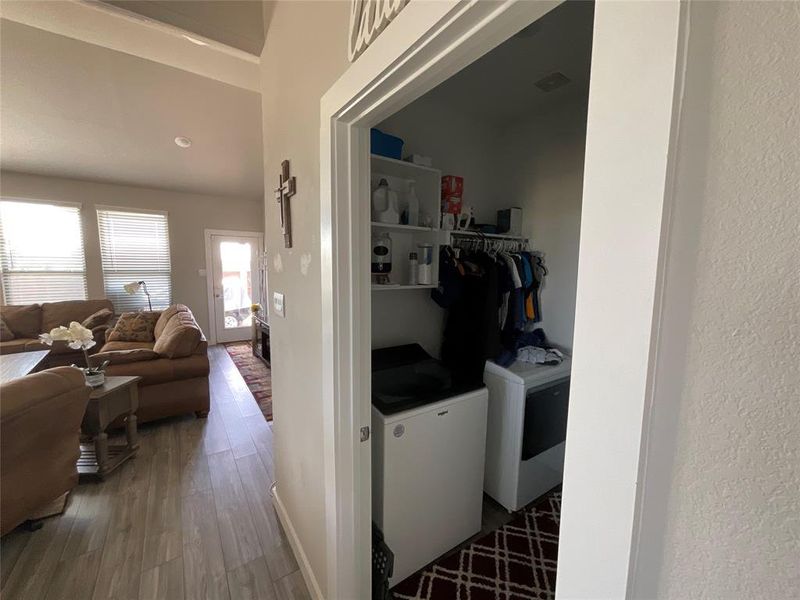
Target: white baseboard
[{"x": 297, "y": 548}]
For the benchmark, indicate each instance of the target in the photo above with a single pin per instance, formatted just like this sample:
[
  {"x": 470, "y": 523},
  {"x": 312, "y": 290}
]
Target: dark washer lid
[{"x": 406, "y": 377}]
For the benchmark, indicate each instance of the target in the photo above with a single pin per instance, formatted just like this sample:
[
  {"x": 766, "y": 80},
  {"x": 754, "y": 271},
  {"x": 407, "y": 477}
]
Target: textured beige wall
[
  {"x": 305, "y": 52},
  {"x": 720, "y": 517},
  {"x": 189, "y": 216}
]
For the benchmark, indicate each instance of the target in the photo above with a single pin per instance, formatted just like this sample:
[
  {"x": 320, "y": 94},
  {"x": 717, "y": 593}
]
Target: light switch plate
[{"x": 277, "y": 304}]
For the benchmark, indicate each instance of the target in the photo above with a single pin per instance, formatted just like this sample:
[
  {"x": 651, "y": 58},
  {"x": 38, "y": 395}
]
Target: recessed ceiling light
[
  {"x": 183, "y": 142},
  {"x": 195, "y": 40}
]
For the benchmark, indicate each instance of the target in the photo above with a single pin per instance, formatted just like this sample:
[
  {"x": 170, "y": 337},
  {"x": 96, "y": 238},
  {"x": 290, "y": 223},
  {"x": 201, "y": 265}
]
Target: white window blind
[
  {"x": 135, "y": 247},
  {"x": 41, "y": 252}
]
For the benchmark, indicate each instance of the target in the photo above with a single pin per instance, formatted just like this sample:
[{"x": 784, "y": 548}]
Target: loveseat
[
  {"x": 22, "y": 324},
  {"x": 40, "y": 422},
  {"x": 169, "y": 352}
]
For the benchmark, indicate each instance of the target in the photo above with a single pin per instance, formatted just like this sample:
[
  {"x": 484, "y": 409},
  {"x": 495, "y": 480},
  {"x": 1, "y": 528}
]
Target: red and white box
[
  {"x": 451, "y": 205},
  {"x": 452, "y": 191},
  {"x": 452, "y": 185}
]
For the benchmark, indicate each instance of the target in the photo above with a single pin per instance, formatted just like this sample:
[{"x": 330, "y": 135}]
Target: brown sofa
[
  {"x": 40, "y": 421},
  {"x": 173, "y": 366},
  {"x": 28, "y": 321}
]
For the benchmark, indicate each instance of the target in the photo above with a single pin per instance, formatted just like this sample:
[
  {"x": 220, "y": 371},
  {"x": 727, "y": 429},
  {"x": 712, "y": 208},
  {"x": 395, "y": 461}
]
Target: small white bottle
[
  {"x": 413, "y": 204},
  {"x": 425, "y": 265},
  {"x": 412, "y": 268}
]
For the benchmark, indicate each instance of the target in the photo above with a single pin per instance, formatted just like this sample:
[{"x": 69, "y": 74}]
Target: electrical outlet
[{"x": 277, "y": 304}]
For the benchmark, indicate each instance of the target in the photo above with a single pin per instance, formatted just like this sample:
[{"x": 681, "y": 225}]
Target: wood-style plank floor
[{"x": 190, "y": 517}]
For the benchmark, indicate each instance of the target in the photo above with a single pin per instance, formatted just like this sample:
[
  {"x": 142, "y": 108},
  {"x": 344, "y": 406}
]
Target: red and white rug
[
  {"x": 255, "y": 373},
  {"x": 515, "y": 562}
]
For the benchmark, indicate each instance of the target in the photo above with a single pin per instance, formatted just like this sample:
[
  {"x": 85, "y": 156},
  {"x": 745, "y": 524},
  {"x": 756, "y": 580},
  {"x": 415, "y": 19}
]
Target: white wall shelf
[
  {"x": 402, "y": 228},
  {"x": 400, "y": 167},
  {"x": 406, "y": 238},
  {"x": 386, "y": 288}
]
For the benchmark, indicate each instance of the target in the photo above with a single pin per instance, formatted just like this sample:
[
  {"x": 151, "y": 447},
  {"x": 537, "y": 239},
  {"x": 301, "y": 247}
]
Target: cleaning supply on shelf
[
  {"x": 384, "y": 204},
  {"x": 413, "y": 264},
  {"x": 412, "y": 204},
  {"x": 381, "y": 258},
  {"x": 425, "y": 266}
]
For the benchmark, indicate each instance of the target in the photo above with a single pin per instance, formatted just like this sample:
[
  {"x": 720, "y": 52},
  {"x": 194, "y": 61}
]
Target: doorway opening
[
  {"x": 475, "y": 228},
  {"x": 233, "y": 283},
  {"x": 628, "y": 177}
]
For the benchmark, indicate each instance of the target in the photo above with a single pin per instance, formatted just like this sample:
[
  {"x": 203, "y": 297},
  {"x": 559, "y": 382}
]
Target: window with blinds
[
  {"x": 135, "y": 247},
  {"x": 41, "y": 252}
]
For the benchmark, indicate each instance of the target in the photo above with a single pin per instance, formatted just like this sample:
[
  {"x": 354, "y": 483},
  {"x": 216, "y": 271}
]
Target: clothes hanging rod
[{"x": 490, "y": 236}]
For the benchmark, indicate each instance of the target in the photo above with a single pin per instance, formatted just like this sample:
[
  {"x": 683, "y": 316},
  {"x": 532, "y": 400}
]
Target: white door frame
[
  {"x": 212, "y": 321},
  {"x": 624, "y": 199}
]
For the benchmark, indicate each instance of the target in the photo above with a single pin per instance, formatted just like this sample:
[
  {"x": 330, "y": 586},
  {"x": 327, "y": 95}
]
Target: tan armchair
[{"x": 40, "y": 421}]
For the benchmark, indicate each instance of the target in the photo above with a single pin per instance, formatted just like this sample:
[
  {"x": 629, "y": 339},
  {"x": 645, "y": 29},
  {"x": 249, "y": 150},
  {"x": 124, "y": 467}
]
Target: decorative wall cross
[{"x": 287, "y": 187}]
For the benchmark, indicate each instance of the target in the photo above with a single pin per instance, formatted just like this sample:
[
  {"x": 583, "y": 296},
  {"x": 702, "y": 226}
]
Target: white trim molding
[
  {"x": 99, "y": 24},
  {"x": 297, "y": 547}
]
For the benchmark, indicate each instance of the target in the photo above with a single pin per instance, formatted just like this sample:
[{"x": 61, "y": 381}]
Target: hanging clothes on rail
[{"x": 491, "y": 291}]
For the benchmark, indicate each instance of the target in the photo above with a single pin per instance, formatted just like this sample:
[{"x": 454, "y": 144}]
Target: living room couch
[
  {"x": 40, "y": 422},
  {"x": 27, "y": 321},
  {"x": 173, "y": 364}
]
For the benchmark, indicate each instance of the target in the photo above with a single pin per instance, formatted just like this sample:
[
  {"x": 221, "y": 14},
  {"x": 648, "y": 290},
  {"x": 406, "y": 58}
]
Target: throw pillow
[
  {"x": 179, "y": 338},
  {"x": 134, "y": 327},
  {"x": 24, "y": 321},
  {"x": 101, "y": 317},
  {"x": 166, "y": 315},
  {"x": 5, "y": 331}
]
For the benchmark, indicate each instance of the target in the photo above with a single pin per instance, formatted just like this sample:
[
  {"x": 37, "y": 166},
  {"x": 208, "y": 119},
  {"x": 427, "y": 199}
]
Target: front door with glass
[{"x": 235, "y": 284}]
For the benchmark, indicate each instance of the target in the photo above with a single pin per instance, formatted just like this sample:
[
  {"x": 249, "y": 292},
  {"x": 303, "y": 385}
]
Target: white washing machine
[
  {"x": 427, "y": 465},
  {"x": 526, "y": 430},
  {"x": 427, "y": 478}
]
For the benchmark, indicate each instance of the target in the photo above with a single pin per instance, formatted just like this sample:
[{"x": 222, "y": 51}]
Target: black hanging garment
[{"x": 471, "y": 335}]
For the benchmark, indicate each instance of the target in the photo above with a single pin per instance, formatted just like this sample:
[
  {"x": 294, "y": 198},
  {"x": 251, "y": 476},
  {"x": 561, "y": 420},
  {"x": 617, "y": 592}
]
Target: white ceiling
[
  {"x": 499, "y": 88},
  {"x": 73, "y": 109}
]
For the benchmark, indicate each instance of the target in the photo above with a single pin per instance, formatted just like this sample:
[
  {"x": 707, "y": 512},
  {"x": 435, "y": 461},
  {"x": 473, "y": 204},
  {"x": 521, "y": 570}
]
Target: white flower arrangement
[{"x": 77, "y": 337}]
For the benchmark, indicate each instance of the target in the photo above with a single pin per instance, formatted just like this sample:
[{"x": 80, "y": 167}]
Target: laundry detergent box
[
  {"x": 452, "y": 185},
  {"x": 452, "y": 192},
  {"x": 451, "y": 205}
]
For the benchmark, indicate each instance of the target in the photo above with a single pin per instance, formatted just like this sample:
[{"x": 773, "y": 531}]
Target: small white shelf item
[
  {"x": 401, "y": 228},
  {"x": 392, "y": 286}
]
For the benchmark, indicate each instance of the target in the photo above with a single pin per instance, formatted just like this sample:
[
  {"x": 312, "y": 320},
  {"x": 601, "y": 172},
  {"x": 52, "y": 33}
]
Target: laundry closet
[{"x": 475, "y": 211}]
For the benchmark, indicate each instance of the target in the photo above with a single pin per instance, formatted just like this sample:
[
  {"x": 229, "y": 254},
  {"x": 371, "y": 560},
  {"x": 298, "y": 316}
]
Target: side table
[{"x": 118, "y": 396}]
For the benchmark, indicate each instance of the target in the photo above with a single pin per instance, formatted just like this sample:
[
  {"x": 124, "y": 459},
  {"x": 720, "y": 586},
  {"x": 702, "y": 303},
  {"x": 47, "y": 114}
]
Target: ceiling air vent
[{"x": 552, "y": 82}]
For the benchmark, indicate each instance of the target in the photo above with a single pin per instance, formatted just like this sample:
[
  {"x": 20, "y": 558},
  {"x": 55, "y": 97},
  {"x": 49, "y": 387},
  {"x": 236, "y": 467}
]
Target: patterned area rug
[
  {"x": 255, "y": 373},
  {"x": 515, "y": 562}
]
